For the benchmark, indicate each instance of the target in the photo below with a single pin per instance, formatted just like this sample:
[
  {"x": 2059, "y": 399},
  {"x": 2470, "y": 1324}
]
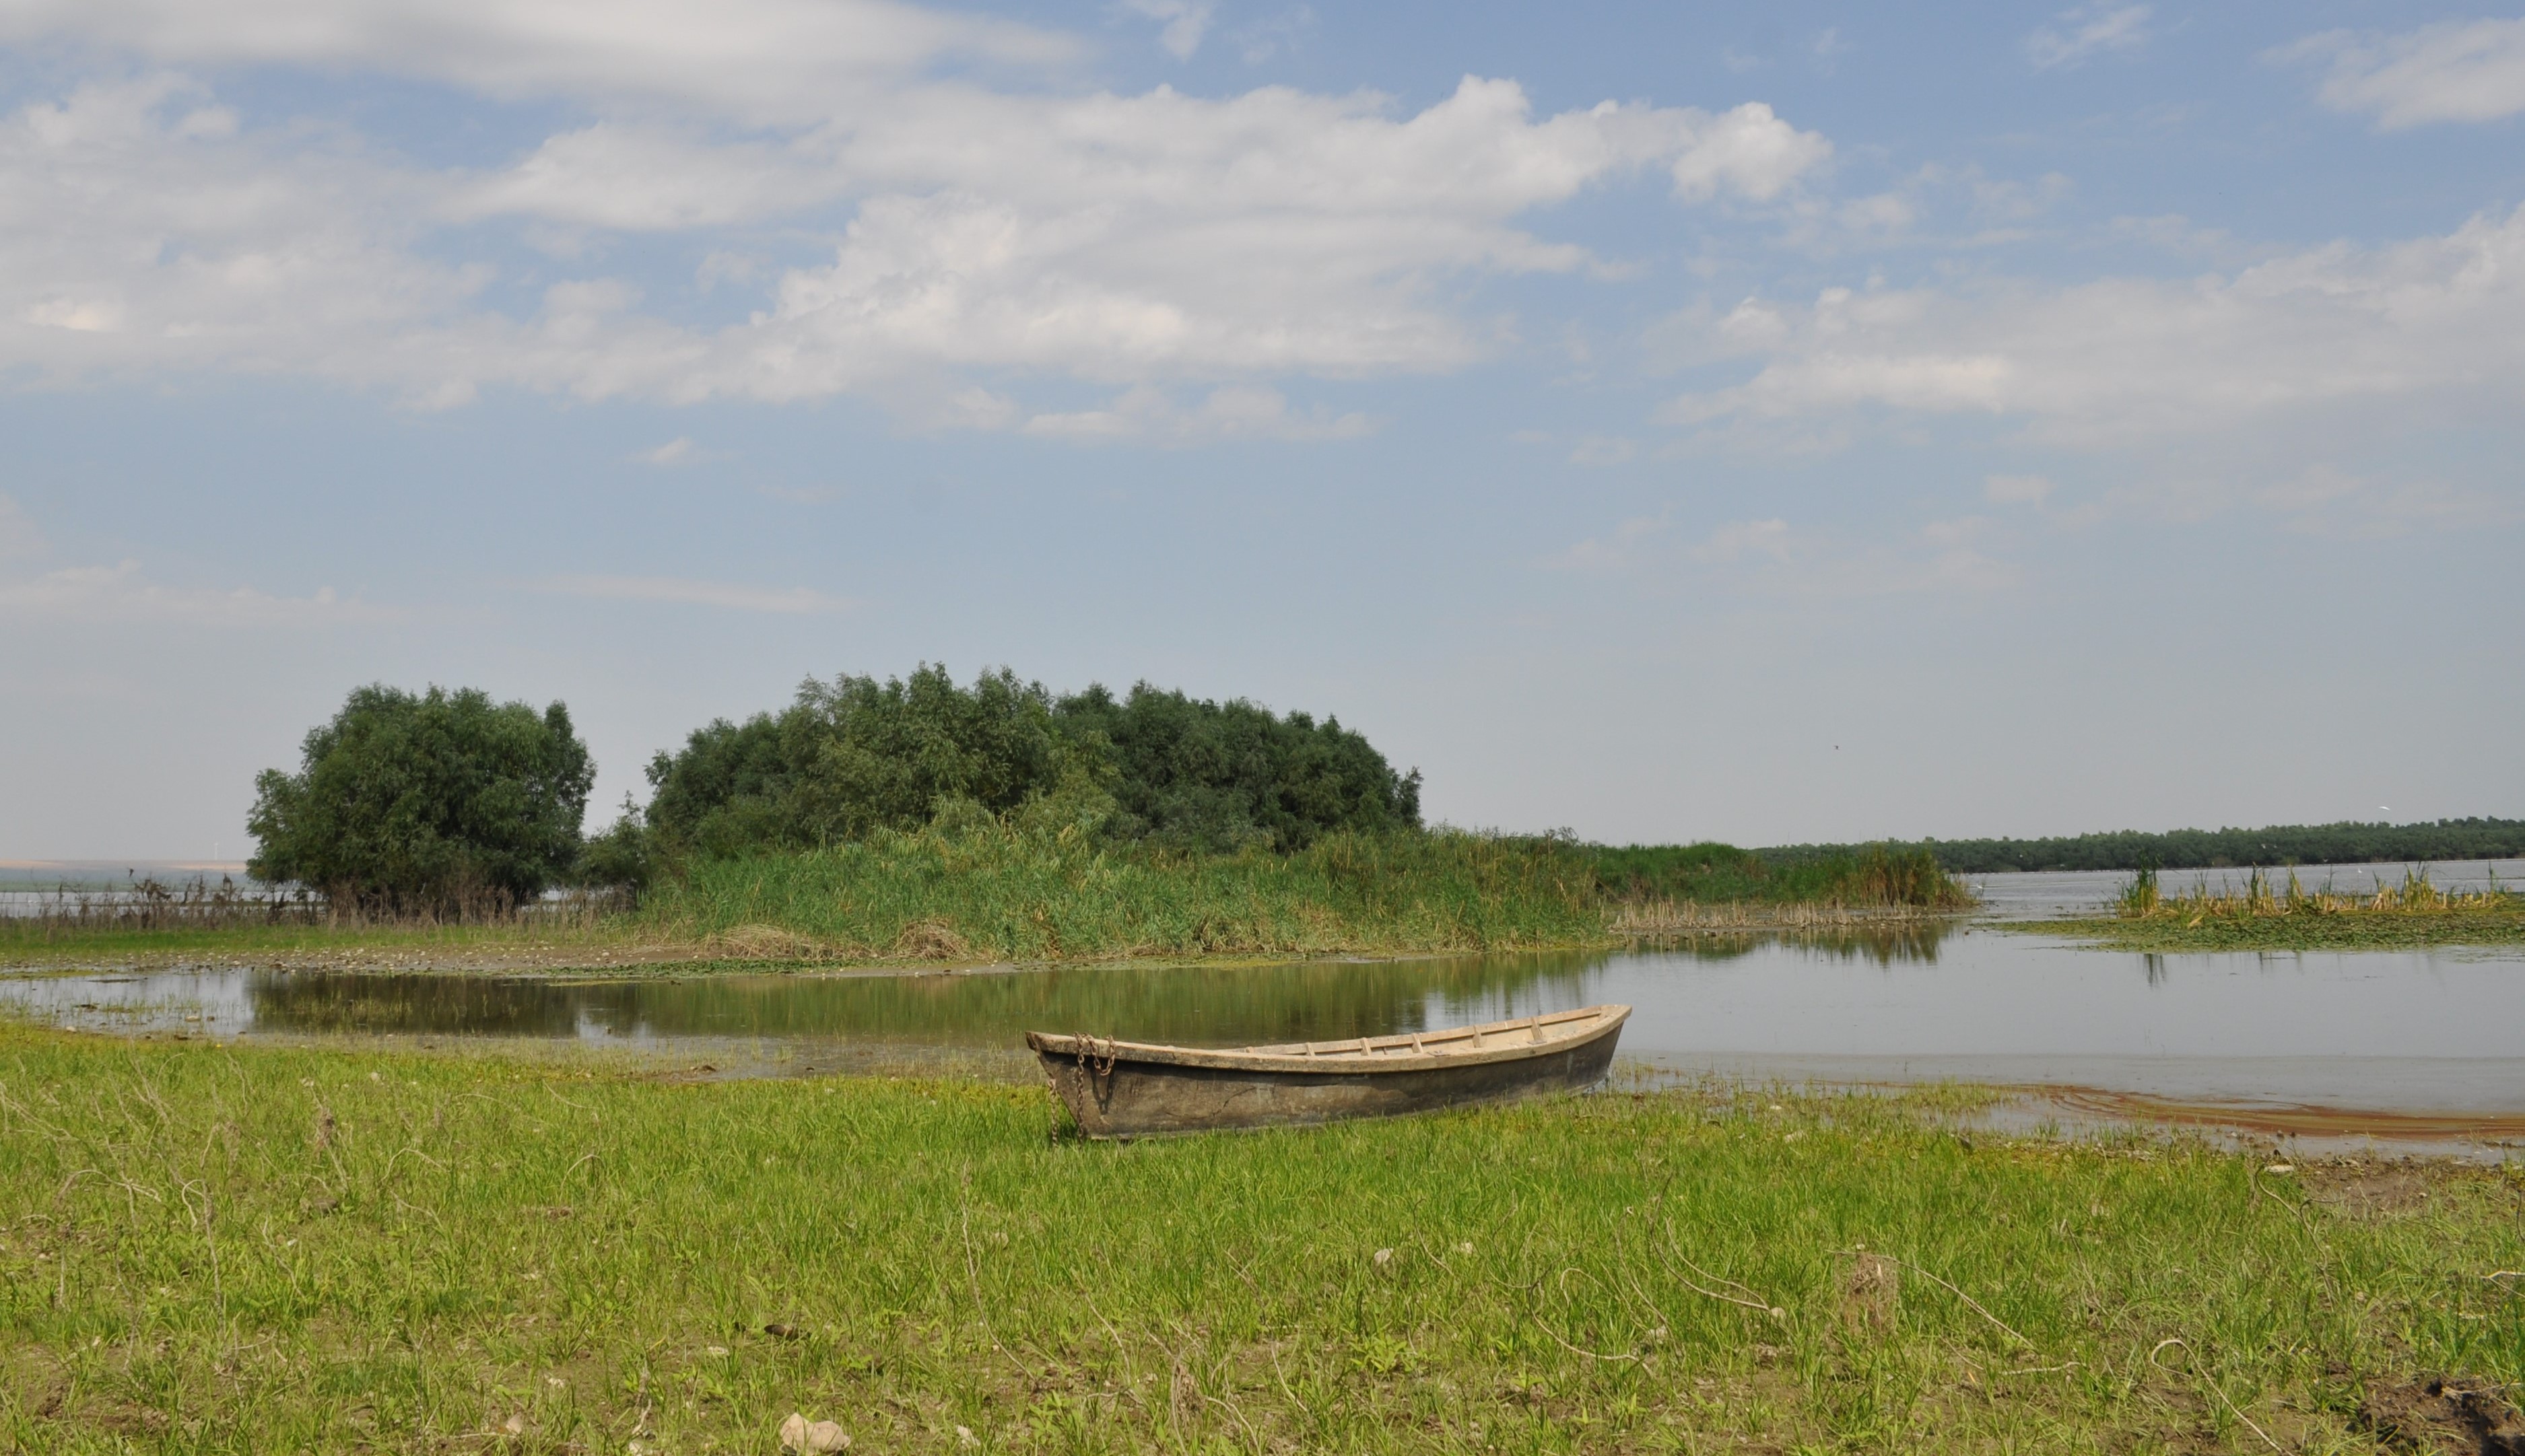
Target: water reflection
[
  {"x": 1901, "y": 943},
  {"x": 1219, "y": 1005}
]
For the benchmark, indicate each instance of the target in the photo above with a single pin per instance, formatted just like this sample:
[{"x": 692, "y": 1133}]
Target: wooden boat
[{"x": 1133, "y": 1089}]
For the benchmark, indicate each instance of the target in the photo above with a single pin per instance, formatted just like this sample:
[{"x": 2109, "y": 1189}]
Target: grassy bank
[
  {"x": 212, "y": 1250},
  {"x": 2265, "y": 915}
]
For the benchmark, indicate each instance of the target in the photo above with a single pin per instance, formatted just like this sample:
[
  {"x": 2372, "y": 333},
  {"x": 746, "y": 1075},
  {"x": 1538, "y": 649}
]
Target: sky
[{"x": 1665, "y": 423}]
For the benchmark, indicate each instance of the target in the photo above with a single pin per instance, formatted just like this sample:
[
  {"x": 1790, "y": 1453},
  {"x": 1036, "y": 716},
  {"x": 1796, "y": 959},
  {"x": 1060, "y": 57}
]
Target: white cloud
[
  {"x": 2435, "y": 316},
  {"x": 1629, "y": 543},
  {"x": 686, "y": 592},
  {"x": 18, "y": 537},
  {"x": 1229, "y": 412},
  {"x": 1739, "y": 539},
  {"x": 1771, "y": 556},
  {"x": 759, "y": 60},
  {"x": 1184, "y": 23},
  {"x": 649, "y": 178},
  {"x": 121, "y": 593},
  {"x": 2325, "y": 501},
  {"x": 673, "y": 453},
  {"x": 2454, "y": 70},
  {"x": 1123, "y": 238},
  {"x": 1604, "y": 450},
  {"x": 1262, "y": 39},
  {"x": 2016, "y": 490},
  {"x": 2086, "y": 30}
]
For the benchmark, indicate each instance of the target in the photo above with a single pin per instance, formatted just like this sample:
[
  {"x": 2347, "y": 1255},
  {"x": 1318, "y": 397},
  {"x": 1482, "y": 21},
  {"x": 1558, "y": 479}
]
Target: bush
[{"x": 440, "y": 802}]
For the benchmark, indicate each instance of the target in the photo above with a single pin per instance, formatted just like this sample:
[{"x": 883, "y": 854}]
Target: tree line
[
  {"x": 442, "y": 801},
  {"x": 2346, "y": 843}
]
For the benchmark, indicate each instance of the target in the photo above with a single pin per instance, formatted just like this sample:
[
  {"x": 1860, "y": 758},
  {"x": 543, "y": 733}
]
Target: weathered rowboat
[{"x": 1133, "y": 1089}]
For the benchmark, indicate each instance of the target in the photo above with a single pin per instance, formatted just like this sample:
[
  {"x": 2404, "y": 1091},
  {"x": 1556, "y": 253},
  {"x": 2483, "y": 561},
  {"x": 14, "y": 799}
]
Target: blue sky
[{"x": 1664, "y": 421}]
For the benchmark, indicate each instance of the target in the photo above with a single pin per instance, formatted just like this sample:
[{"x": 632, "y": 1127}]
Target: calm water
[{"x": 2423, "y": 1032}]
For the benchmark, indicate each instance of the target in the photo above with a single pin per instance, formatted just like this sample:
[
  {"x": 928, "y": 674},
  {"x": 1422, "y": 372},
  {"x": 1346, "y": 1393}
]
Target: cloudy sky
[{"x": 1768, "y": 423}]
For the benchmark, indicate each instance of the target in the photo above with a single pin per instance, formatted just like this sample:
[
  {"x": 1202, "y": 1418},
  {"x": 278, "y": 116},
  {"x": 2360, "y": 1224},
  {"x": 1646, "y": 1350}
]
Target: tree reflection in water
[{"x": 1196, "y": 1005}]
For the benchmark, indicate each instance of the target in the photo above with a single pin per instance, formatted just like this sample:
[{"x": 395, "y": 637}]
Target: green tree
[
  {"x": 440, "y": 802},
  {"x": 1207, "y": 775},
  {"x": 856, "y": 754}
]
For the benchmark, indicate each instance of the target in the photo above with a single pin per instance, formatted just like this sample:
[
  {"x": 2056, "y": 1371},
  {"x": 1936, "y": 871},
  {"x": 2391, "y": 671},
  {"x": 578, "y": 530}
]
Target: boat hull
[{"x": 1124, "y": 1097}]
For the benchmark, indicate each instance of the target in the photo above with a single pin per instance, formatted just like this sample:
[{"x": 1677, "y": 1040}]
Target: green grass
[{"x": 264, "y": 1250}]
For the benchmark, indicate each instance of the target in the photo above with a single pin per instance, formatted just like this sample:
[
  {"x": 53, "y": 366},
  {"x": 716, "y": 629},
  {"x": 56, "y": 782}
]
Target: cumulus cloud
[
  {"x": 1131, "y": 239},
  {"x": 2016, "y": 490},
  {"x": 2442, "y": 315},
  {"x": 2455, "y": 70},
  {"x": 2087, "y": 30},
  {"x": 687, "y": 592}
]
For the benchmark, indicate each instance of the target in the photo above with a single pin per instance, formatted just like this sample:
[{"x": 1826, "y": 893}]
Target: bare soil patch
[{"x": 2464, "y": 1415}]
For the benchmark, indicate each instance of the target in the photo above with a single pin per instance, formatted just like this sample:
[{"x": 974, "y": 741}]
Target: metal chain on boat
[{"x": 1099, "y": 1062}]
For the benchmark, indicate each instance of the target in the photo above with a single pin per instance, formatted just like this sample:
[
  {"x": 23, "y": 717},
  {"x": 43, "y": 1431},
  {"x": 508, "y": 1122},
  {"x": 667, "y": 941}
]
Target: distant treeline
[{"x": 2205, "y": 849}]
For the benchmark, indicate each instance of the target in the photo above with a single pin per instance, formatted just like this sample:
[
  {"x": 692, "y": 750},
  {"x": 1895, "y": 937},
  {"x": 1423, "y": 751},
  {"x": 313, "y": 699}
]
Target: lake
[{"x": 2427, "y": 1033}]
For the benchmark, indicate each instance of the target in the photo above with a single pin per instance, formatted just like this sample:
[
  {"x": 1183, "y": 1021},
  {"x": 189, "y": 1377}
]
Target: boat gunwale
[{"x": 1407, "y": 1052}]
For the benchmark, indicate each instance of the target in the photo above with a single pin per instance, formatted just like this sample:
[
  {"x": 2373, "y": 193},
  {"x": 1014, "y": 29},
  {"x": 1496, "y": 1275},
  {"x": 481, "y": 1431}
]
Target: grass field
[{"x": 217, "y": 1249}]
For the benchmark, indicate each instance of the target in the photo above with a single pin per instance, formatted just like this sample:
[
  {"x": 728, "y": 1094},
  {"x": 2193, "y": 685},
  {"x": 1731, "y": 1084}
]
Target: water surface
[{"x": 2415, "y": 1032}]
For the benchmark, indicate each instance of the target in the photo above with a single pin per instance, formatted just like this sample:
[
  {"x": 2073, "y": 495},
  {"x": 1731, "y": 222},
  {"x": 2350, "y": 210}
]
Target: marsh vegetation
[{"x": 2262, "y": 913}]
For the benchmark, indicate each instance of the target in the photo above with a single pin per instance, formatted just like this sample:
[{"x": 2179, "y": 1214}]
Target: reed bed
[
  {"x": 2257, "y": 898},
  {"x": 1000, "y": 895},
  {"x": 215, "y": 1250}
]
